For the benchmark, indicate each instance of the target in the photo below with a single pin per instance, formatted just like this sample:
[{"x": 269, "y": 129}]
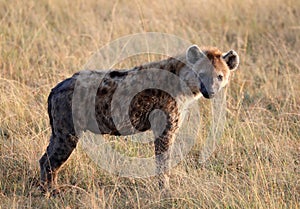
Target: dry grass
[{"x": 255, "y": 166}]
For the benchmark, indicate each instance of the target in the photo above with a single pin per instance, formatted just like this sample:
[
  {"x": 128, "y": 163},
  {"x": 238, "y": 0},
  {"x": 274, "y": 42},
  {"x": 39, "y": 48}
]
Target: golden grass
[{"x": 256, "y": 165}]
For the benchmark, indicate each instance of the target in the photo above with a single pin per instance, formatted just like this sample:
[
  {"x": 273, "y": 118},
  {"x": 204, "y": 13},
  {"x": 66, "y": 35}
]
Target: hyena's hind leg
[{"x": 57, "y": 153}]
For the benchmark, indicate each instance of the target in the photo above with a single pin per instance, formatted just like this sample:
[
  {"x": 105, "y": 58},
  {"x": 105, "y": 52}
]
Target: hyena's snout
[{"x": 207, "y": 92}]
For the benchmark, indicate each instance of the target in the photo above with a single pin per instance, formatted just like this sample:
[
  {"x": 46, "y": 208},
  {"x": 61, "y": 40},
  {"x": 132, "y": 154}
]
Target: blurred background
[{"x": 256, "y": 165}]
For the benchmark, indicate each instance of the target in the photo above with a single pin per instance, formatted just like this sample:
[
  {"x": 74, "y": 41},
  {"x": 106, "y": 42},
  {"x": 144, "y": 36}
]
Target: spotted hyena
[{"x": 204, "y": 71}]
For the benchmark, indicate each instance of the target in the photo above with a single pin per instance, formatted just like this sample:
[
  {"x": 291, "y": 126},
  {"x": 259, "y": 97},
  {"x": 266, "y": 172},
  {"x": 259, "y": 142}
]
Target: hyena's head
[{"x": 210, "y": 69}]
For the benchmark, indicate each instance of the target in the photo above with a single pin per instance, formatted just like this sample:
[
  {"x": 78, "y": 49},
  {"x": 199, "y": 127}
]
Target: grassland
[{"x": 256, "y": 165}]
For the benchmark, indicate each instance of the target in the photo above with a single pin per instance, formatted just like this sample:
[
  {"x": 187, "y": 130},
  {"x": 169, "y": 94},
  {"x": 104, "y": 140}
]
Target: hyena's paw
[
  {"x": 43, "y": 187},
  {"x": 50, "y": 191},
  {"x": 55, "y": 192}
]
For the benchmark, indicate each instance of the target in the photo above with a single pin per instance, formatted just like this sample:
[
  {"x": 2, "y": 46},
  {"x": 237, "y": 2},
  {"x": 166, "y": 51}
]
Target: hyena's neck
[{"x": 172, "y": 64}]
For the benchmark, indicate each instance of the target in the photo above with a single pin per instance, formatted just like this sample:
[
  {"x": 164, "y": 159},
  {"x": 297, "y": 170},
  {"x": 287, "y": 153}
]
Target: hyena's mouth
[{"x": 206, "y": 95}]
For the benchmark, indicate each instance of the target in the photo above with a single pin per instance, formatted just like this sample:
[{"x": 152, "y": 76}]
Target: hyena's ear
[
  {"x": 232, "y": 59},
  {"x": 193, "y": 54}
]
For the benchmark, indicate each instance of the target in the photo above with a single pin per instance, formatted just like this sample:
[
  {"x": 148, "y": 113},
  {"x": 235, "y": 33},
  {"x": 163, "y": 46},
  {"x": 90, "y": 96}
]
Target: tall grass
[{"x": 256, "y": 165}]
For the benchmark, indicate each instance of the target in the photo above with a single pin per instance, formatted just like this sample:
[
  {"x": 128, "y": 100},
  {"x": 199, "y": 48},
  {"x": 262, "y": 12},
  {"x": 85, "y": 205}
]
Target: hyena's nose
[{"x": 208, "y": 94}]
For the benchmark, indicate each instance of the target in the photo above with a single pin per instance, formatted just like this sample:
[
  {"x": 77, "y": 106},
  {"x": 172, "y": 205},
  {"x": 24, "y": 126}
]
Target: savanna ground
[{"x": 256, "y": 164}]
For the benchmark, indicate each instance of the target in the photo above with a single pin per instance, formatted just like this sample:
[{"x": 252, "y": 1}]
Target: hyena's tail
[{"x": 49, "y": 110}]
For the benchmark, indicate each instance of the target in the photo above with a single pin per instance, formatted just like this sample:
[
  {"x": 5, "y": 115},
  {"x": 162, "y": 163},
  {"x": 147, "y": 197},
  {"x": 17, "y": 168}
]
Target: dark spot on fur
[
  {"x": 173, "y": 70},
  {"x": 103, "y": 91},
  {"x": 115, "y": 132},
  {"x": 138, "y": 68},
  {"x": 114, "y": 74}
]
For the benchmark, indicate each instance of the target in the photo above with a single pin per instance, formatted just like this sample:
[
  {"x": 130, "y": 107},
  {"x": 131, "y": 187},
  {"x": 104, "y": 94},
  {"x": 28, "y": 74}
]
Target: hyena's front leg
[
  {"x": 164, "y": 127},
  {"x": 164, "y": 124},
  {"x": 163, "y": 146}
]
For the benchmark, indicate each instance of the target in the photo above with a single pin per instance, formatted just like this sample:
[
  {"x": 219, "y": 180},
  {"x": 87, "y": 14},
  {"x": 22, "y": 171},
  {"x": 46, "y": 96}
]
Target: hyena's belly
[{"x": 115, "y": 118}]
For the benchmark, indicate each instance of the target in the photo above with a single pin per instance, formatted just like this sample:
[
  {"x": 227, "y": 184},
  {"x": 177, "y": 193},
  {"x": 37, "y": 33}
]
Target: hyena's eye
[{"x": 220, "y": 77}]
